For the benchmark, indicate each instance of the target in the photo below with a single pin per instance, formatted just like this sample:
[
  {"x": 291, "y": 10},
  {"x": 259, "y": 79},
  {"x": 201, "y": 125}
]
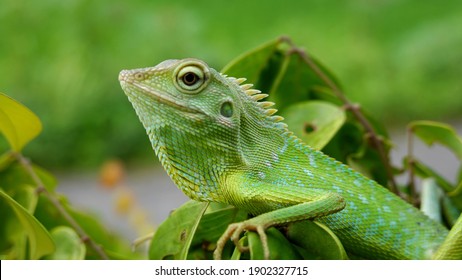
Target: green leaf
[
  {"x": 345, "y": 142},
  {"x": 280, "y": 248},
  {"x": 6, "y": 159},
  {"x": 456, "y": 196},
  {"x": 13, "y": 237},
  {"x": 15, "y": 174},
  {"x": 434, "y": 132},
  {"x": 278, "y": 69},
  {"x": 40, "y": 240},
  {"x": 48, "y": 180},
  {"x": 297, "y": 81},
  {"x": 450, "y": 212},
  {"x": 212, "y": 225},
  {"x": 250, "y": 65},
  {"x": 236, "y": 253},
  {"x": 68, "y": 244},
  {"x": 315, "y": 122},
  {"x": 367, "y": 161},
  {"x": 424, "y": 171},
  {"x": 173, "y": 238},
  {"x": 317, "y": 239},
  {"x": 17, "y": 123},
  {"x": 113, "y": 245}
]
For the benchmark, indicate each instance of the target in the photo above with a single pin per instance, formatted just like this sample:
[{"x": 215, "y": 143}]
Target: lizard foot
[{"x": 234, "y": 231}]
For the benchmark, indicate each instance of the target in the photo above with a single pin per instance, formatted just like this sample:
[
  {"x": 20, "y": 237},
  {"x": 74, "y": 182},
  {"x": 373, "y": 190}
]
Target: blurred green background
[{"x": 400, "y": 59}]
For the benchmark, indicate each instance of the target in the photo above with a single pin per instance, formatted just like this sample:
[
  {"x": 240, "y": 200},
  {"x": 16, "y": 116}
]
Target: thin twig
[
  {"x": 411, "y": 163},
  {"x": 354, "y": 108},
  {"x": 57, "y": 204}
]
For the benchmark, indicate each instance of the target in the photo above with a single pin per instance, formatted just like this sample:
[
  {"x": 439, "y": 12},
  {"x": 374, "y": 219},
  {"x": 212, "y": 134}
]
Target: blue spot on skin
[
  {"x": 397, "y": 241},
  {"x": 338, "y": 189},
  {"x": 402, "y": 217},
  {"x": 371, "y": 231},
  {"x": 308, "y": 172},
  {"x": 352, "y": 205},
  {"x": 363, "y": 199},
  {"x": 312, "y": 161},
  {"x": 388, "y": 198},
  {"x": 387, "y": 234}
]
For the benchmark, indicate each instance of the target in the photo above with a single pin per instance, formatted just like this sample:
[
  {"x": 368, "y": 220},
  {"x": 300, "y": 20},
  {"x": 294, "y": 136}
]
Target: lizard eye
[{"x": 191, "y": 78}]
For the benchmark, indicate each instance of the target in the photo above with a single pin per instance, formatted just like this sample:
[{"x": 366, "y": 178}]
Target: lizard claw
[
  {"x": 264, "y": 242},
  {"x": 229, "y": 233},
  {"x": 234, "y": 232}
]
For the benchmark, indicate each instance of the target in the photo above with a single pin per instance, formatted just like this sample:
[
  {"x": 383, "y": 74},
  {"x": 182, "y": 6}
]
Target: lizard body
[{"x": 219, "y": 142}]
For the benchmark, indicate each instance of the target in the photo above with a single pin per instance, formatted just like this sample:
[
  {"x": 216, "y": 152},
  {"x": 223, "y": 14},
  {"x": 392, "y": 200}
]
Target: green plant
[{"x": 37, "y": 222}]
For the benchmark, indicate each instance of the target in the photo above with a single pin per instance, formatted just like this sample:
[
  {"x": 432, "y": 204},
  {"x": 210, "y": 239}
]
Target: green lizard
[{"x": 219, "y": 142}]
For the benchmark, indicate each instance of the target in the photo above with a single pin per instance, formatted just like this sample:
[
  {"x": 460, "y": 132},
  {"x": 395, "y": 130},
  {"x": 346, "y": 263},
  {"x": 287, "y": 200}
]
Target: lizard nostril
[{"x": 123, "y": 75}]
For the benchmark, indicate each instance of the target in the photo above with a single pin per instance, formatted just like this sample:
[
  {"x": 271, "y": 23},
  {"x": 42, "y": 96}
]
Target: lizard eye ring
[{"x": 191, "y": 78}]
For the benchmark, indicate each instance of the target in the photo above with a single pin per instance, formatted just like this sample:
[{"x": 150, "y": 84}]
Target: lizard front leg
[{"x": 300, "y": 204}]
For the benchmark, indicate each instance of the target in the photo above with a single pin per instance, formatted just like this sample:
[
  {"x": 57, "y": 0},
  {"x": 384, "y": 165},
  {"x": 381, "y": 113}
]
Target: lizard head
[
  {"x": 197, "y": 119},
  {"x": 180, "y": 93}
]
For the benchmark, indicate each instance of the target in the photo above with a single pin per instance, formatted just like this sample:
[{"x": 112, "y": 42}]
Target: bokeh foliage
[{"x": 38, "y": 223}]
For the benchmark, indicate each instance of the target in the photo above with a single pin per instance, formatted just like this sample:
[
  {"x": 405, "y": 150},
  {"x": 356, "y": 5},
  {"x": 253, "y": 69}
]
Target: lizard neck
[
  {"x": 198, "y": 167},
  {"x": 194, "y": 161}
]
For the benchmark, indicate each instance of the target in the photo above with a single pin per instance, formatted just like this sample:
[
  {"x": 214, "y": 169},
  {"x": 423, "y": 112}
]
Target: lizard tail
[{"x": 451, "y": 249}]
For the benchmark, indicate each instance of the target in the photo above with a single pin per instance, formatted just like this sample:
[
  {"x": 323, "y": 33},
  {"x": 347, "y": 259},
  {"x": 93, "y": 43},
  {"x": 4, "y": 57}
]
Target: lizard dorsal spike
[
  {"x": 240, "y": 80},
  {"x": 256, "y": 96},
  {"x": 266, "y": 104},
  {"x": 252, "y": 91},
  {"x": 271, "y": 111},
  {"x": 246, "y": 86},
  {"x": 260, "y": 96},
  {"x": 278, "y": 118}
]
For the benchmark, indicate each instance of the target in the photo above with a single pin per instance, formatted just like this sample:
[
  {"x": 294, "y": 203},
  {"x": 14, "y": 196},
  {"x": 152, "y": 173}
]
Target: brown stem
[
  {"x": 411, "y": 162},
  {"x": 57, "y": 204},
  {"x": 354, "y": 108}
]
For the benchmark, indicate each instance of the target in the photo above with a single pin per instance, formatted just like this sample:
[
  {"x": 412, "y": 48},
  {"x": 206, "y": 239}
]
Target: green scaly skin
[{"x": 219, "y": 143}]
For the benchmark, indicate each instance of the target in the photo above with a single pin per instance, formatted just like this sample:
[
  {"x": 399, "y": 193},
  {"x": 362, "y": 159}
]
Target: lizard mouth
[{"x": 133, "y": 87}]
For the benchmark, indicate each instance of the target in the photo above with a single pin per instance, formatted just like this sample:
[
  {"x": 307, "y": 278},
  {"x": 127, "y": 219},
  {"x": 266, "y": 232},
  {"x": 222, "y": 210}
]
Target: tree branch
[
  {"x": 354, "y": 108},
  {"x": 57, "y": 204}
]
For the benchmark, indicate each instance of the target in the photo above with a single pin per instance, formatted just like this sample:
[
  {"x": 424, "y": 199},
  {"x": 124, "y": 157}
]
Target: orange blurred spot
[{"x": 111, "y": 173}]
